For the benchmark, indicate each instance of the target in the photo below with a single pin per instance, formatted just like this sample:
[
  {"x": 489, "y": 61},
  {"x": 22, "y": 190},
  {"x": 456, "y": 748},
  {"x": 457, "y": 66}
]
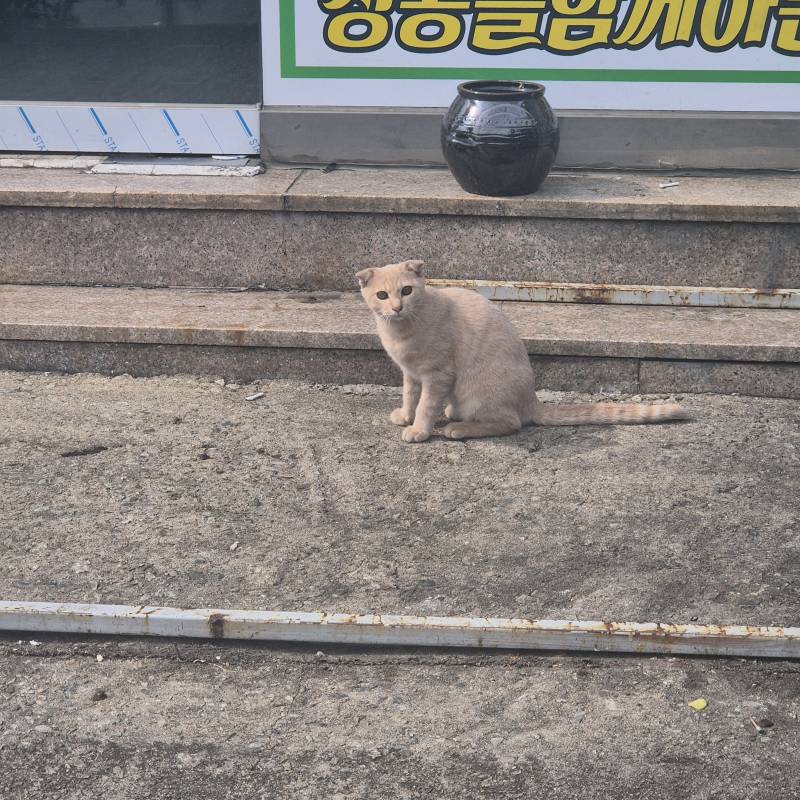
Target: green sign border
[{"x": 290, "y": 68}]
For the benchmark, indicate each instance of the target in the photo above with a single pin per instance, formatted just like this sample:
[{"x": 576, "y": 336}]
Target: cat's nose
[{"x": 397, "y": 309}]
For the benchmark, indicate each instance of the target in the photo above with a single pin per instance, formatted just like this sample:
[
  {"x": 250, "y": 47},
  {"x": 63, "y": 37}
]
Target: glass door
[{"x": 130, "y": 76}]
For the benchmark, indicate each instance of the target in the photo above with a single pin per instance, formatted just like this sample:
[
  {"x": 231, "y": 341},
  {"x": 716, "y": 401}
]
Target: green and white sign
[{"x": 702, "y": 55}]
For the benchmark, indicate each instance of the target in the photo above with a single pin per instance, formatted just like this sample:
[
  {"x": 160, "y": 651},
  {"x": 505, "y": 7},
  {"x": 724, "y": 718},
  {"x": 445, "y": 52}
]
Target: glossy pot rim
[{"x": 500, "y": 90}]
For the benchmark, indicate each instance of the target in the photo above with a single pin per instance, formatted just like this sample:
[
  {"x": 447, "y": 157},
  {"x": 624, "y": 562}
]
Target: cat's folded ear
[
  {"x": 364, "y": 276},
  {"x": 415, "y": 267}
]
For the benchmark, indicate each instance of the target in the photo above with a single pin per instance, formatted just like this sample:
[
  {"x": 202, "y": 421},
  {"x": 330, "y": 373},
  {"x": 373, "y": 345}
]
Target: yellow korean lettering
[
  {"x": 583, "y": 26},
  {"x": 431, "y": 26},
  {"x": 716, "y": 32},
  {"x": 758, "y": 21},
  {"x": 787, "y": 36},
  {"x": 446, "y": 31},
  {"x": 357, "y": 26},
  {"x": 666, "y": 21},
  {"x": 506, "y": 31}
]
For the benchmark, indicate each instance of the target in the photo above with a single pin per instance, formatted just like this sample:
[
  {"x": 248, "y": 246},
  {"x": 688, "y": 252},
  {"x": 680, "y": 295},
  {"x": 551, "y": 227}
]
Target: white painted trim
[
  {"x": 621, "y": 294},
  {"x": 389, "y": 629}
]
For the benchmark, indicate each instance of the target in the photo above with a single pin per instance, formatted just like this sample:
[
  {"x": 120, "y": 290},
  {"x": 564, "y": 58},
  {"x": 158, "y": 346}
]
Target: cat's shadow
[
  {"x": 545, "y": 439},
  {"x": 568, "y": 439}
]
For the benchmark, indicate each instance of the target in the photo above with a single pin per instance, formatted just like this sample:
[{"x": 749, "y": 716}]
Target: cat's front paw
[
  {"x": 454, "y": 431},
  {"x": 412, "y": 434},
  {"x": 399, "y": 417}
]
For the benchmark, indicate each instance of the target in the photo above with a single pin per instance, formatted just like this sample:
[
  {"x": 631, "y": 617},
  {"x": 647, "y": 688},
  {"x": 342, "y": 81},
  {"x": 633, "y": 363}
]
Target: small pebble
[
  {"x": 99, "y": 658},
  {"x": 99, "y": 695}
]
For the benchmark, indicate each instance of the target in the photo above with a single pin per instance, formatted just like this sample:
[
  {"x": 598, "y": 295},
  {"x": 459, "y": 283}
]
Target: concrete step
[
  {"x": 310, "y": 230},
  {"x": 330, "y": 338}
]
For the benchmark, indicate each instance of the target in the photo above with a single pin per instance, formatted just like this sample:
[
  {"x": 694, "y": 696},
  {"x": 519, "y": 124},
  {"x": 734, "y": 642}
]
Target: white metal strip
[
  {"x": 620, "y": 294},
  {"x": 389, "y": 629},
  {"x": 84, "y": 128}
]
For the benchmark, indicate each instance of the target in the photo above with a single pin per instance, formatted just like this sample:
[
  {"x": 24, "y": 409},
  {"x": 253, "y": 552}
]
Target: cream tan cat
[{"x": 457, "y": 349}]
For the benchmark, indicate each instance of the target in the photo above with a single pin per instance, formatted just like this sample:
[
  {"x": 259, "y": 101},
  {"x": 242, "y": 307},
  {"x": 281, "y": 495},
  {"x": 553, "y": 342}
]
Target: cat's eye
[
  {"x": 383, "y": 296},
  {"x": 407, "y": 290}
]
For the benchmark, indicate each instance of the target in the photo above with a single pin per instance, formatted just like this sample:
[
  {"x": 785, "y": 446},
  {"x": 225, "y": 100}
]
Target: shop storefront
[{"x": 716, "y": 81}]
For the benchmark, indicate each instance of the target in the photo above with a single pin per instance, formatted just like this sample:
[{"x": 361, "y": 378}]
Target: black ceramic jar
[{"x": 500, "y": 138}]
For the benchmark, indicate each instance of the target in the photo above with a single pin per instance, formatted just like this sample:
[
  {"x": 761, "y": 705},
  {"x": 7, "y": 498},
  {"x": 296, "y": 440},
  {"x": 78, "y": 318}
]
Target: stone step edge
[
  {"x": 565, "y": 195},
  {"x": 349, "y": 327},
  {"x": 324, "y": 340},
  {"x": 605, "y": 376}
]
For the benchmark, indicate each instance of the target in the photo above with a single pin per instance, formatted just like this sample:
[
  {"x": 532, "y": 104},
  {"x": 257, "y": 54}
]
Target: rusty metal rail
[
  {"x": 387, "y": 629},
  {"x": 619, "y": 294}
]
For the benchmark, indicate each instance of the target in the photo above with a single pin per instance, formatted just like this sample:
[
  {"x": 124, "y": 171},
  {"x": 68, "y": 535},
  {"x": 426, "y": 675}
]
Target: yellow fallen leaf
[{"x": 699, "y": 704}]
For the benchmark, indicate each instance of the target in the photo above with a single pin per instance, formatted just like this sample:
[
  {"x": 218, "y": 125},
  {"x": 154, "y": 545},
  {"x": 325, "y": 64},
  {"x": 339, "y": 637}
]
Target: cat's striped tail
[{"x": 605, "y": 413}]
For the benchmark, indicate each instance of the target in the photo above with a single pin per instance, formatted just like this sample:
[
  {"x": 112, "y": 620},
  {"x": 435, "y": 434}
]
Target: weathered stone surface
[
  {"x": 333, "y": 512},
  {"x": 570, "y": 195},
  {"x": 757, "y": 379},
  {"x": 73, "y": 189},
  {"x": 264, "y": 192},
  {"x": 591, "y": 375},
  {"x": 240, "y": 364},
  {"x": 57, "y": 188},
  {"x": 331, "y": 337},
  {"x": 330, "y": 320},
  {"x": 325, "y": 249},
  {"x": 606, "y": 375},
  {"x": 288, "y": 229},
  {"x": 144, "y": 247},
  {"x": 68, "y": 228},
  {"x": 576, "y": 194},
  {"x": 587, "y": 522}
]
